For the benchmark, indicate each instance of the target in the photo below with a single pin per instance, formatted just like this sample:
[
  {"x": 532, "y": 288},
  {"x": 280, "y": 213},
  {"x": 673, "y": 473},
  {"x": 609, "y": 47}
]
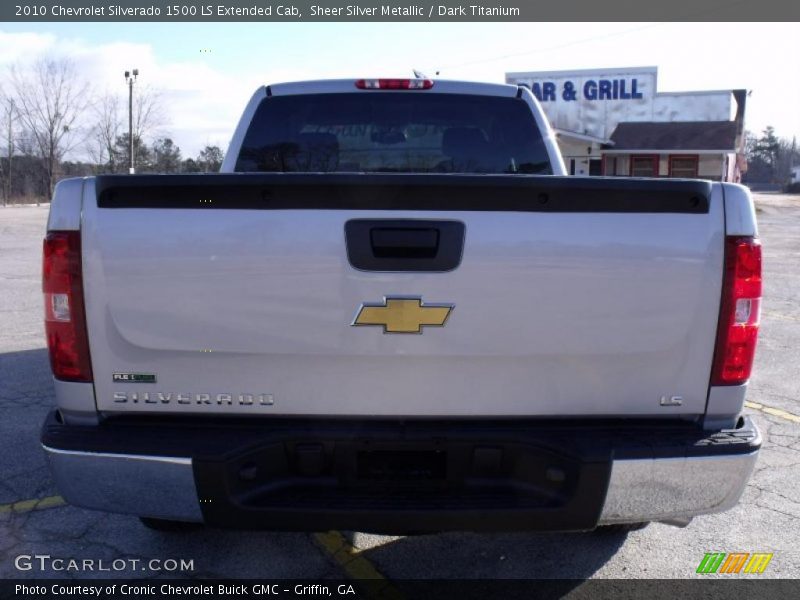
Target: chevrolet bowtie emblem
[{"x": 403, "y": 315}]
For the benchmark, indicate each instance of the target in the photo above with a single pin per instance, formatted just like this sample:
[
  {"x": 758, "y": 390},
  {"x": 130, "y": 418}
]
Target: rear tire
[{"x": 166, "y": 525}]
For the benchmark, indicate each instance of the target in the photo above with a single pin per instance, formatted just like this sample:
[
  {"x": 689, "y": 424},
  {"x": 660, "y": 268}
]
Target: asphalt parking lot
[{"x": 33, "y": 519}]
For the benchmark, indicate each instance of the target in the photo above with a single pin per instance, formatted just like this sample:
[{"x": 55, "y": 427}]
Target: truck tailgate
[{"x": 234, "y": 294}]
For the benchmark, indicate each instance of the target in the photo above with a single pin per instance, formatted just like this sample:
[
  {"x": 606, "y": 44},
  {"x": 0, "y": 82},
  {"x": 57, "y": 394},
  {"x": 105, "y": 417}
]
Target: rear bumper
[{"x": 401, "y": 477}]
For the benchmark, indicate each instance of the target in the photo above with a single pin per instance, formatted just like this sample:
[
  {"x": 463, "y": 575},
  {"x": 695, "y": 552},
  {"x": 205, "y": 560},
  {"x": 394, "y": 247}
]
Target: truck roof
[{"x": 441, "y": 86}]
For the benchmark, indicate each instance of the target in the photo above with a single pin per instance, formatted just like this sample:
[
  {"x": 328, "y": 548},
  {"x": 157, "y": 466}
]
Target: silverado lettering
[{"x": 178, "y": 398}]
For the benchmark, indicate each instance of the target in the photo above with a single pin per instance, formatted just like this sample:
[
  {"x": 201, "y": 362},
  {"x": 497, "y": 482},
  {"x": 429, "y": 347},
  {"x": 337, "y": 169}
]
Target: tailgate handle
[
  {"x": 396, "y": 242},
  {"x": 422, "y": 245}
]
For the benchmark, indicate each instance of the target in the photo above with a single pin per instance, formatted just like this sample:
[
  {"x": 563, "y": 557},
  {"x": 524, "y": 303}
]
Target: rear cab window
[{"x": 386, "y": 132}]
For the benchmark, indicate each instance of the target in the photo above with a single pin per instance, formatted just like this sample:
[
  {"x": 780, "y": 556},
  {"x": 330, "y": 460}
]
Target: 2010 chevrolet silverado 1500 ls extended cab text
[{"x": 393, "y": 312}]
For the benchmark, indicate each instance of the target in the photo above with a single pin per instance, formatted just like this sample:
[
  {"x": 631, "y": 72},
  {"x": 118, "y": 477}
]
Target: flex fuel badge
[{"x": 133, "y": 377}]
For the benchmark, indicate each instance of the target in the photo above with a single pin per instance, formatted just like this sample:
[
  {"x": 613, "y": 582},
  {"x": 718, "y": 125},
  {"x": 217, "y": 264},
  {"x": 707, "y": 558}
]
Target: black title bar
[
  {"x": 398, "y": 11},
  {"x": 529, "y": 589}
]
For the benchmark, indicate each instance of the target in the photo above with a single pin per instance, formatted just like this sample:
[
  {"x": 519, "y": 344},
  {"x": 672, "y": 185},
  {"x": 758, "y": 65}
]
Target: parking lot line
[
  {"x": 356, "y": 566},
  {"x": 23, "y": 506},
  {"x": 775, "y": 412},
  {"x": 776, "y": 315}
]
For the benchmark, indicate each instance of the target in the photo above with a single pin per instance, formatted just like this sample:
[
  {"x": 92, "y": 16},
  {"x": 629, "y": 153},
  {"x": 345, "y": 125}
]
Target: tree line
[{"x": 49, "y": 112}]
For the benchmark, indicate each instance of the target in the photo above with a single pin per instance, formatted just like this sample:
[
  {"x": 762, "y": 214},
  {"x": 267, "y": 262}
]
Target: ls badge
[{"x": 403, "y": 315}]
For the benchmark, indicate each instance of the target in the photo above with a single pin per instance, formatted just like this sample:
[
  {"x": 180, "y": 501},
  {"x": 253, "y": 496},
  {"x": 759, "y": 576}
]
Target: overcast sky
[{"x": 208, "y": 71}]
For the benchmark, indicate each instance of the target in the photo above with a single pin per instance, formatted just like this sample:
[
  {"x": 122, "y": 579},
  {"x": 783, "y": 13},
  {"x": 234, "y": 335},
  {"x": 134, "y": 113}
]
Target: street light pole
[{"x": 130, "y": 78}]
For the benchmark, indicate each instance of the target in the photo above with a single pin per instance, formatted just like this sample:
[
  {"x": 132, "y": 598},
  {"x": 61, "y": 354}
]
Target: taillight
[
  {"x": 739, "y": 312},
  {"x": 64, "y": 316},
  {"x": 394, "y": 84}
]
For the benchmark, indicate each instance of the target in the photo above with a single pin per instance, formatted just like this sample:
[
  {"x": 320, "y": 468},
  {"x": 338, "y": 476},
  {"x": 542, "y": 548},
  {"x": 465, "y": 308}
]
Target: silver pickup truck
[{"x": 393, "y": 312}]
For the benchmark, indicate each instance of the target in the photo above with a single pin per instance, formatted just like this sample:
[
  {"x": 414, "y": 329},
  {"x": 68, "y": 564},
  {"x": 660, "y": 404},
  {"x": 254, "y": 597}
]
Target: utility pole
[{"x": 130, "y": 79}]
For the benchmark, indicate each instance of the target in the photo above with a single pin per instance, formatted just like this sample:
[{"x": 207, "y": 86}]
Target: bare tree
[
  {"x": 104, "y": 135},
  {"x": 51, "y": 99},
  {"x": 111, "y": 127},
  {"x": 8, "y": 114},
  {"x": 148, "y": 114}
]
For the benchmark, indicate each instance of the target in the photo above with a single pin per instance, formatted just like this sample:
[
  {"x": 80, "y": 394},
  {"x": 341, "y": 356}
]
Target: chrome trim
[
  {"x": 671, "y": 489},
  {"x": 674, "y": 489},
  {"x": 177, "y": 460},
  {"x": 148, "y": 486}
]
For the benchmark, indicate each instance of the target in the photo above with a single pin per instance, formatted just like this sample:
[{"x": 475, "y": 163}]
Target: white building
[
  {"x": 795, "y": 175},
  {"x": 615, "y": 122}
]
